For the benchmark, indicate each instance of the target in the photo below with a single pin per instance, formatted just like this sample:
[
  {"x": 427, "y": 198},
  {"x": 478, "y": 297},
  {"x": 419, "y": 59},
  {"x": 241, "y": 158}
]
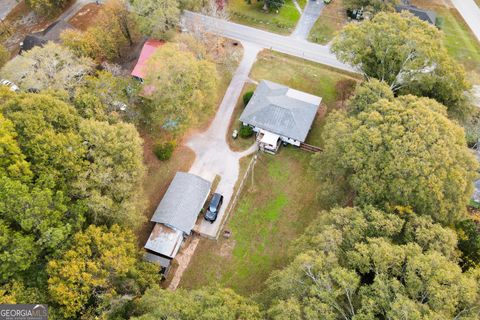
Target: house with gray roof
[
  {"x": 278, "y": 113},
  {"x": 424, "y": 15},
  {"x": 175, "y": 217}
]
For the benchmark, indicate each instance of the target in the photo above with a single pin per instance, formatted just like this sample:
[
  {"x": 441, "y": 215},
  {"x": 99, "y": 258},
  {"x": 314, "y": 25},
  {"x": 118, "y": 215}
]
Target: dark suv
[{"x": 214, "y": 207}]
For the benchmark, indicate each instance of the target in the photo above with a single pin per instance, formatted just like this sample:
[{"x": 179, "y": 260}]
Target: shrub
[
  {"x": 246, "y": 97},
  {"x": 245, "y": 131},
  {"x": 164, "y": 150}
]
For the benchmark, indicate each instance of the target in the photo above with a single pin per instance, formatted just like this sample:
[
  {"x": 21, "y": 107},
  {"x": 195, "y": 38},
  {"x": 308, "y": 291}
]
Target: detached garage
[{"x": 175, "y": 217}]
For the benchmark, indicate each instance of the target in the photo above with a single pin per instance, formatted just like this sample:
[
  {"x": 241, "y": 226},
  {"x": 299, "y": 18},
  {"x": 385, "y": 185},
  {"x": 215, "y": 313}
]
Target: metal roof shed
[
  {"x": 164, "y": 241},
  {"x": 182, "y": 202}
]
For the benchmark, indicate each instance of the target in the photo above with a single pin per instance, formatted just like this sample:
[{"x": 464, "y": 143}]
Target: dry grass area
[
  {"x": 332, "y": 20},
  {"x": 85, "y": 17}
]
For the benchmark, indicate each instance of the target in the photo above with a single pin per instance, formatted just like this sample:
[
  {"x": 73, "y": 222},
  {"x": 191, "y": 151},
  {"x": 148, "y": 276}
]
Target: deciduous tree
[
  {"x": 402, "y": 152},
  {"x": 157, "y": 17},
  {"x": 182, "y": 87},
  {"x": 46, "y": 7},
  {"x": 349, "y": 266},
  {"x": 112, "y": 181},
  {"x": 372, "y": 5},
  {"x": 89, "y": 271},
  {"x": 408, "y": 55},
  {"x": 50, "y": 67},
  {"x": 203, "y": 304}
]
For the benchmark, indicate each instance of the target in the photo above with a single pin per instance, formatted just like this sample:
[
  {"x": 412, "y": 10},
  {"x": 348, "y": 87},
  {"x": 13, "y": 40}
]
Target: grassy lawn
[
  {"x": 300, "y": 74},
  {"x": 240, "y": 143},
  {"x": 458, "y": 38},
  {"x": 276, "y": 204},
  {"x": 283, "y": 22},
  {"x": 332, "y": 20}
]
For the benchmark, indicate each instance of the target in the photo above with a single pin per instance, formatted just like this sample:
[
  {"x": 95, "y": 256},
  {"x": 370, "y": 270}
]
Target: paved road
[
  {"x": 310, "y": 15},
  {"x": 266, "y": 40},
  {"x": 213, "y": 155},
  {"x": 470, "y": 13}
]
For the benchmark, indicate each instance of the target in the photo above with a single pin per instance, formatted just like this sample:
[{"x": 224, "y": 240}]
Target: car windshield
[{"x": 212, "y": 208}]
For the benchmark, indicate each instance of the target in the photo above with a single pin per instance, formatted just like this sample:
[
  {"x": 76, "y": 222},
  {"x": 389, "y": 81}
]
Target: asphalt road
[
  {"x": 266, "y": 40},
  {"x": 470, "y": 13}
]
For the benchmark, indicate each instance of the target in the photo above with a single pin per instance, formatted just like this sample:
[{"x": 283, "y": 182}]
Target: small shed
[{"x": 278, "y": 113}]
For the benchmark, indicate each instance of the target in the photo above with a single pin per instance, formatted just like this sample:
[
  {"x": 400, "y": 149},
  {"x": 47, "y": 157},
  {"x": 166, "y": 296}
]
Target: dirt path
[{"x": 183, "y": 259}]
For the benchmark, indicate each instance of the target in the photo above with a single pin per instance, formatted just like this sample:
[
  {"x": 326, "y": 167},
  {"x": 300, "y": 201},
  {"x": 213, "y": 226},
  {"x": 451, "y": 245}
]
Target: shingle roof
[
  {"x": 281, "y": 110},
  {"x": 425, "y": 15},
  {"x": 182, "y": 202}
]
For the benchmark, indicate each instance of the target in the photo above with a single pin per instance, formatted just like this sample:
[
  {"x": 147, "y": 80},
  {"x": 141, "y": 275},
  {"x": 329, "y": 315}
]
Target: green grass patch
[
  {"x": 301, "y": 75},
  {"x": 459, "y": 40},
  {"x": 273, "y": 210},
  {"x": 283, "y": 22},
  {"x": 332, "y": 20},
  {"x": 279, "y": 199}
]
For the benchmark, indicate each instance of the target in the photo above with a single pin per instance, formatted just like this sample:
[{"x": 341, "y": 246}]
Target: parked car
[
  {"x": 11, "y": 85},
  {"x": 214, "y": 207}
]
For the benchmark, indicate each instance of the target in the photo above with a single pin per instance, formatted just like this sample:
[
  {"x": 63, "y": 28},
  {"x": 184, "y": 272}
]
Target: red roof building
[{"x": 148, "y": 49}]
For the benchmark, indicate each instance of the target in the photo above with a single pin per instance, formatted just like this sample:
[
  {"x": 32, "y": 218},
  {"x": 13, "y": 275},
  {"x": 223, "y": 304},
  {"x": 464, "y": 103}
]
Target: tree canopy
[
  {"x": 208, "y": 303},
  {"x": 92, "y": 268},
  {"x": 367, "y": 264},
  {"x": 406, "y": 53},
  {"x": 51, "y": 67},
  {"x": 110, "y": 36},
  {"x": 398, "y": 152},
  {"x": 372, "y": 5},
  {"x": 157, "y": 17},
  {"x": 181, "y": 87}
]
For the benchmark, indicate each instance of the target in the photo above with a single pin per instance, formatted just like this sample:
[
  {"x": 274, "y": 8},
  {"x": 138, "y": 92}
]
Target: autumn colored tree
[
  {"x": 46, "y": 7},
  {"x": 87, "y": 273},
  {"x": 109, "y": 38},
  {"x": 112, "y": 195},
  {"x": 208, "y": 303},
  {"x": 408, "y": 55},
  {"x": 156, "y": 18},
  {"x": 357, "y": 264},
  {"x": 372, "y": 5},
  {"x": 183, "y": 88},
  {"x": 52, "y": 67},
  {"x": 398, "y": 152}
]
